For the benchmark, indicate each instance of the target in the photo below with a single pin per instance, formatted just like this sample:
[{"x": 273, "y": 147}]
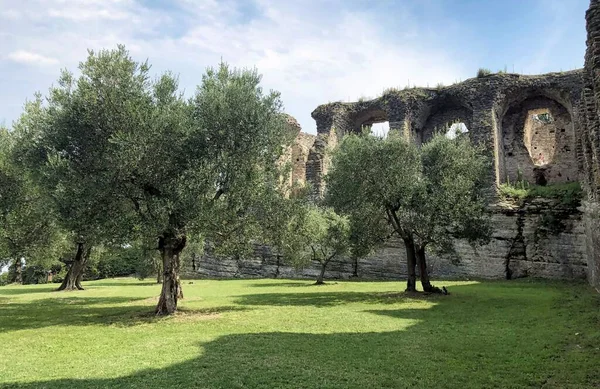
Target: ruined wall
[
  {"x": 589, "y": 142},
  {"x": 482, "y": 104},
  {"x": 540, "y": 239},
  {"x": 538, "y": 143},
  {"x": 297, "y": 153},
  {"x": 543, "y": 129}
]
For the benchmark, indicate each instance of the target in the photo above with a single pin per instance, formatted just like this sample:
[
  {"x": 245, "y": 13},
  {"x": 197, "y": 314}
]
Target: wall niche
[{"x": 538, "y": 143}]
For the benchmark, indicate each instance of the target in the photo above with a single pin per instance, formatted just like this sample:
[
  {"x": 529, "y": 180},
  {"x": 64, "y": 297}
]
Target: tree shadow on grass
[
  {"x": 84, "y": 311},
  {"x": 328, "y": 299},
  {"x": 453, "y": 344},
  {"x": 119, "y": 284},
  {"x": 291, "y": 284},
  {"x": 13, "y": 291}
]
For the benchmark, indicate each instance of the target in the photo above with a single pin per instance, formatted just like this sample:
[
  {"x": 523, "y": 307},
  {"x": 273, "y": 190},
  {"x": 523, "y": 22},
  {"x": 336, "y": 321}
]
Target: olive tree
[
  {"x": 65, "y": 141},
  {"x": 452, "y": 199},
  {"x": 200, "y": 166},
  {"x": 316, "y": 234},
  {"x": 28, "y": 231},
  {"x": 430, "y": 195},
  {"x": 373, "y": 178}
]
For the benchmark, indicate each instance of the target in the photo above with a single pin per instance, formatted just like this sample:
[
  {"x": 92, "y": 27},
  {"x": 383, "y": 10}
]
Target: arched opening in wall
[
  {"x": 372, "y": 121},
  {"x": 537, "y": 143},
  {"x": 539, "y": 134},
  {"x": 447, "y": 117}
]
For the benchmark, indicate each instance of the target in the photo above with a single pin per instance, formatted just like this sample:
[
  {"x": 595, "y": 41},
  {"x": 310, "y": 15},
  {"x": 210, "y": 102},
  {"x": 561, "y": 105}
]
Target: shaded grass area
[{"x": 288, "y": 334}]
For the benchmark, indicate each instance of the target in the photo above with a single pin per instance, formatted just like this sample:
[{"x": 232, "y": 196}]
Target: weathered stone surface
[
  {"x": 526, "y": 243},
  {"x": 588, "y": 142},
  {"x": 541, "y": 239},
  {"x": 494, "y": 108}
]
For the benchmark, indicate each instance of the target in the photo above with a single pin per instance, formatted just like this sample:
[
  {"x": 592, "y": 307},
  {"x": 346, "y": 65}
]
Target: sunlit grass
[{"x": 282, "y": 333}]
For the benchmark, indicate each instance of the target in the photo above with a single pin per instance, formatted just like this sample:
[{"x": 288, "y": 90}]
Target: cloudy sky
[{"x": 312, "y": 51}]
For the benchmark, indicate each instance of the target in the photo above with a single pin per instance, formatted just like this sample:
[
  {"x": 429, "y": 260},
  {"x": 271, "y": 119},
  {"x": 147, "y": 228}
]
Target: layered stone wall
[
  {"x": 540, "y": 239},
  {"x": 589, "y": 141},
  {"x": 541, "y": 129}
]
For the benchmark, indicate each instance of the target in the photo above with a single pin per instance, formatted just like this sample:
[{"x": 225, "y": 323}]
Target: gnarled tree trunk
[
  {"x": 424, "y": 273},
  {"x": 18, "y": 271},
  {"x": 411, "y": 263},
  {"x": 74, "y": 276},
  {"x": 170, "y": 246},
  {"x": 320, "y": 279}
]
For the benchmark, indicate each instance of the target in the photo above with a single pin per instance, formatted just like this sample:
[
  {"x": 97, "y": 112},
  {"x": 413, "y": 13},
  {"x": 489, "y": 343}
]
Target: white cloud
[
  {"x": 30, "y": 58},
  {"x": 309, "y": 55}
]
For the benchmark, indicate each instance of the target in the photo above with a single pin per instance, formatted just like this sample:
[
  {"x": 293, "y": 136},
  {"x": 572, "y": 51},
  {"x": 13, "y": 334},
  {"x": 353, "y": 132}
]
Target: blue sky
[{"x": 313, "y": 52}]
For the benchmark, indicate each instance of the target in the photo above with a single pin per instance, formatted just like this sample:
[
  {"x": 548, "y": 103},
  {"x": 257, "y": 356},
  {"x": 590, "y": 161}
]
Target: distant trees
[
  {"x": 428, "y": 195},
  {"x": 316, "y": 234}
]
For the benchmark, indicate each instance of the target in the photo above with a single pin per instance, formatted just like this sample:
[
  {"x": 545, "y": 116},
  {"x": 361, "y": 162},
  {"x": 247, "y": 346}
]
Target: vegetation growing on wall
[{"x": 568, "y": 193}]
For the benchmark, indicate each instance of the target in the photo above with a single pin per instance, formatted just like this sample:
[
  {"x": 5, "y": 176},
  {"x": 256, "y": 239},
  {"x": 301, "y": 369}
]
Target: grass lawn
[{"x": 291, "y": 334}]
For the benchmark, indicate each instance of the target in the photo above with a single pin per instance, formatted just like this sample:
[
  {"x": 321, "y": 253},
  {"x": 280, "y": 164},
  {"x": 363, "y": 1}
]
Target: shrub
[
  {"x": 35, "y": 274},
  {"x": 482, "y": 72},
  {"x": 568, "y": 193},
  {"x": 3, "y": 279}
]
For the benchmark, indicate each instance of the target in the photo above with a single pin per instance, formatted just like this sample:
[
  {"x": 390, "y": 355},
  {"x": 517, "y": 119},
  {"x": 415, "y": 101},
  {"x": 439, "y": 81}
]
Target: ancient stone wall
[
  {"x": 494, "y": 109},
  {"x": 540, "y": 239},
  {"x": 542, "y": 129},
  {"x": 589, "y": 142},
  {"x": 538, "y": 143},
  {"x": 297, "y": 154}
]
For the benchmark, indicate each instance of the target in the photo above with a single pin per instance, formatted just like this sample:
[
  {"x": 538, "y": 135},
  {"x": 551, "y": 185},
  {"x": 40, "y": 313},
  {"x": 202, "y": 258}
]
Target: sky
[{"x": 313, "y": 52}]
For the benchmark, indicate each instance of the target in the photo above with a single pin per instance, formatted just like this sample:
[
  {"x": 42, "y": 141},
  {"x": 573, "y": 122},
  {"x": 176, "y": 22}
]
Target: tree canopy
[
  {"x": 124, "y": 157},
  {"x": 427, "y": 195}
]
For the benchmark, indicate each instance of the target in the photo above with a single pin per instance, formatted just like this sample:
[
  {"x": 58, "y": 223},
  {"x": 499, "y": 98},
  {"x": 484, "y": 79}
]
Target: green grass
[{"x": 291, "y": 334}]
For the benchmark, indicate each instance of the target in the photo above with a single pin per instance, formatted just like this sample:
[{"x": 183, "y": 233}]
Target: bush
[
  {"x": 35, "y": 274},
  {"x": 482, "y": 72},
  {"x": 568, "y": 193},
  {"x": 3, "y": 279},
  {"x": 120, "y": 262}
]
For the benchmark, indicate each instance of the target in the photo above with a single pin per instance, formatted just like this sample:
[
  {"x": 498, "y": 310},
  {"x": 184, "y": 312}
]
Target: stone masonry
[
  {"x": 540, "y": 129},
  {"x": 589, "y": 142}
]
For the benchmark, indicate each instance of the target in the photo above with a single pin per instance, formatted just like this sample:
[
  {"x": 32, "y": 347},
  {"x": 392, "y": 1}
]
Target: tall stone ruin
[{"x": 542, "y": 129}]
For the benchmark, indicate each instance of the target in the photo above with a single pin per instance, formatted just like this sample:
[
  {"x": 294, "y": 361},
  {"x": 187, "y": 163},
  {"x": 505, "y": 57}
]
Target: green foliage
[
  {"x": 199, "y": 165},
  {"x": 568, "y": 193},
  {"x": 452, "y": 197},
  {"x": 28, "y": 227},
  {"x": 482, "y": 72},
  {"x": 326, "y": 234},
  {"x": 493, "y": 334},
  {"x": 35, "y": 274},
  {"x": 121, "y": 261},
  {"x": 65, "y": 141},
  {"x": 429, "y": 195},
  {"x": 124, "y": 158}
]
